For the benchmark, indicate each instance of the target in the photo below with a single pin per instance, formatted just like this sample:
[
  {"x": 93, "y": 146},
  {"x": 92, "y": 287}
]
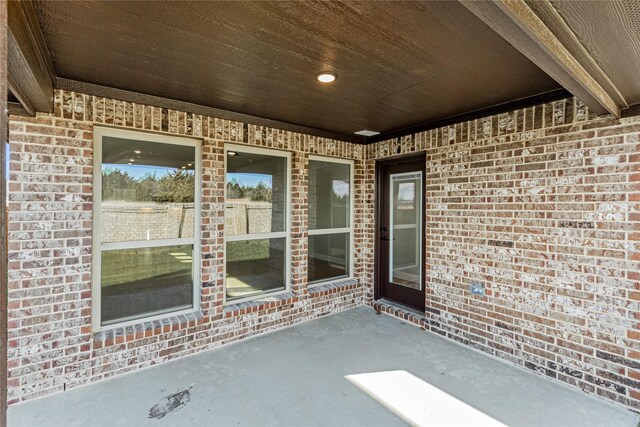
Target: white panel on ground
[{"x": 419, "y": 403}]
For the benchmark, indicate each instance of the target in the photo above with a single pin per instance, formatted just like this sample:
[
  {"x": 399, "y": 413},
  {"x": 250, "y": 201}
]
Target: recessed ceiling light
[
  {"x": 189, "y": 164},
  {"x": 132, "y": 160},
  {"x": 232, "y": 153},
  {"x": 366, "y": 132},
  {"x": 137, "y": 151},
  {"x": 129, "y": 163},
  {"x": 326, "y": 77}
]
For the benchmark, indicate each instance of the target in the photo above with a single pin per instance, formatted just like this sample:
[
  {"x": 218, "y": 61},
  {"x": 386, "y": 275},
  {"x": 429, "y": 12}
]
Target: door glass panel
[{"x": 406, "y": 230}]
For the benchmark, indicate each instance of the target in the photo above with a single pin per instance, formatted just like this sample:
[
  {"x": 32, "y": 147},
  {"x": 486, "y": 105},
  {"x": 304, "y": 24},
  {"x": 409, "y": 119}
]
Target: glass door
[{"x": 401, "y": 232}]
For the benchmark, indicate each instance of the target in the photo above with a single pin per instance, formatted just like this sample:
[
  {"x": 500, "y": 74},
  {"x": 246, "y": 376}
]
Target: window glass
[
  {"x": 256, "y": 194},
  {"x": 147, "y": 214},
  {"x": 148, "y": 190},
  {"x": 329, "y": 216},
  {"x": 328, "y": 256},
  {"x": 405, "y": 229},
  {"x": 405, "y": 204},
  {"x": 136, "y": 282},
  {"x": 255, "y": 266},
  {"x": 256, "y": 230},
  {"x": 329, "y": 195}
]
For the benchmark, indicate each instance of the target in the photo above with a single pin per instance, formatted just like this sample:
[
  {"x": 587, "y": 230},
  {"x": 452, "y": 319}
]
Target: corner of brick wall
[{"x": 541, "y": 205}]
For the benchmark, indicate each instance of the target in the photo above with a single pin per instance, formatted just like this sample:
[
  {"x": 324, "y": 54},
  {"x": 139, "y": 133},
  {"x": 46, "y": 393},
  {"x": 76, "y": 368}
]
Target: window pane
[
  {"x": 148, "y": 190},
  {"x": 137, "y": 282},
  {"x": 256, "y": 194},
  {"x": 329, "y": 195},
  {"x": 406, "y": 229},
  {"x": 406, "y": 196},
  {"x": 255, "y": 266},
  {"x": 406, "y": 258},
  {"x": 328, "y": 256}
]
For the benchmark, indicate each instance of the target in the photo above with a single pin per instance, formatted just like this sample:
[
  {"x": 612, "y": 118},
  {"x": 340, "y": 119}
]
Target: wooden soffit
[
  {"x": 537, "y": 30},
  {"x": 30, "y": 71}
]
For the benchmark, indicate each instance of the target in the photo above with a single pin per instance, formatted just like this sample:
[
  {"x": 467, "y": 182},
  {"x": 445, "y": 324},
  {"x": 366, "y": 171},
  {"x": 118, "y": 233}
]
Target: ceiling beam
[
  {"x": 537, "y": 30},
  {"x": 30, "y": 70},
  {"x": 26, "y": 107}
]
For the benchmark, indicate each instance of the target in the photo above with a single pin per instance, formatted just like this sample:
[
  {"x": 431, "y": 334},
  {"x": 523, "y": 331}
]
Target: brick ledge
[
  {"x": 120, "y": 334},
  {"x": 259, "y": 303},
  {"x": 332, "y": 287}
]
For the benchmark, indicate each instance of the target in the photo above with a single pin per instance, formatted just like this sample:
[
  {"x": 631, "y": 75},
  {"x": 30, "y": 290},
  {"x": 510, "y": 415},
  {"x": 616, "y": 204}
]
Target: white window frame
[
  {"x": 98, "y": 246},
  {"x": 326, "y": 231},
  {"x": 258, "y": 236}
]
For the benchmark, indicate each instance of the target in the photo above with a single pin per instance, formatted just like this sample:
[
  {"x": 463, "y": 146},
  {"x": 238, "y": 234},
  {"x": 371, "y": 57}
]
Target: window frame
[
  {"x": 286, "y": 233},
  {"x": 329, "y": 231},
  {"x": 99, "y": 132}
]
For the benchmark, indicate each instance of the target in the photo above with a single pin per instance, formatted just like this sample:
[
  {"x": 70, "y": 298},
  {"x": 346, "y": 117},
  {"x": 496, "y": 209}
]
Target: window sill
[
  {"x": 235, "y": 308},
  {"x": 118, "y": 334},
  {"x": 325, "y": 288}
]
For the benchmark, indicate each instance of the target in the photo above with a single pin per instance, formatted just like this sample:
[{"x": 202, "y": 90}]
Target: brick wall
[
  {"x": 540, "y": 205},
  {"x": 51, "y": 344}
]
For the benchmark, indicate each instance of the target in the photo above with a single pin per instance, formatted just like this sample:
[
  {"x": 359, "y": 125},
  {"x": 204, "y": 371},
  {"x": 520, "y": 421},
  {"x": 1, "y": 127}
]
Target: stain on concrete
[{"x": 170, "y": 403}]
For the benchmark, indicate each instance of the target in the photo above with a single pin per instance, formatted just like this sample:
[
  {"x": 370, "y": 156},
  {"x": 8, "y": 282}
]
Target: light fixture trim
[
  {"x": 367, "y": 132},
  {"x": 326, "y": 77}
]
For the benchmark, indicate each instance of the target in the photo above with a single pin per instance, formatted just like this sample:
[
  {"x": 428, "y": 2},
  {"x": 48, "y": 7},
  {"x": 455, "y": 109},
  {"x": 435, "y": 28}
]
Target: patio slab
[{"x": 351, "y": 368}]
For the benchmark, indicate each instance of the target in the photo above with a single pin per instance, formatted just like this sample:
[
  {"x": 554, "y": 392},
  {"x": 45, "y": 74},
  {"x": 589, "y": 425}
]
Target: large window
[
  {"x": 146, "y": 239},
  {"x": 330, "y": 205},
  {"x": 256, "y": 222}
]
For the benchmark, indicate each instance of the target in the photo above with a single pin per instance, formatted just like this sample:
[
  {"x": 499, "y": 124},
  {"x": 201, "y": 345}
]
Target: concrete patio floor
[{"x": 296, "y": 377}]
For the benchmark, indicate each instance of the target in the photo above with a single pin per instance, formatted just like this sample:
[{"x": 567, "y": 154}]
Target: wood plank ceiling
[
  {"x": 398, "y": 63},
  {"x": 610, "y": 30}
]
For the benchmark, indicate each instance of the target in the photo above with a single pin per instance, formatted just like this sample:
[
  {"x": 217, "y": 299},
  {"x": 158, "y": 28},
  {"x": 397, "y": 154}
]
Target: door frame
[{"x": 379, "y": 166}]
